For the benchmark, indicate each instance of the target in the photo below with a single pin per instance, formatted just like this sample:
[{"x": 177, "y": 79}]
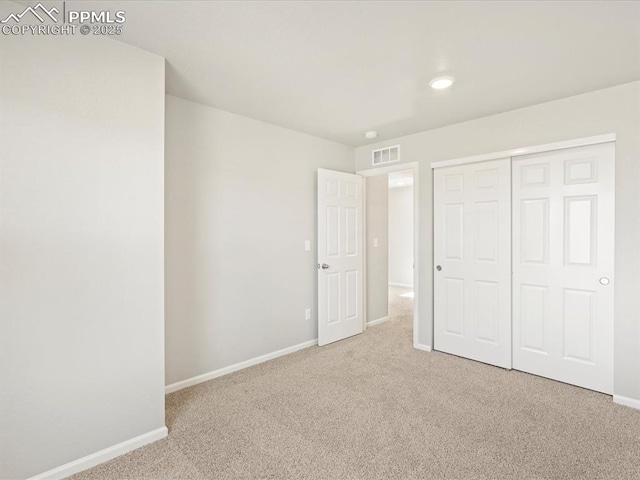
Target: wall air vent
[{"x": 385, "y": 155}]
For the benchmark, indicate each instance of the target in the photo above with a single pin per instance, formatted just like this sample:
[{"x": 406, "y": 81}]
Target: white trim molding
[
  {"x": 205, "y": 377},
  {"x": 626, "y": 401},
  {"x": 423, "y": 347},
  {"x": 404, "y": 285},
  {"x": 417, "y": 299},
  {"x": 377, "y": 321},
  {"x": 516, "y": 152},
  {"x": 397, "y": 167},
  {"x": 102, "y": 456}
]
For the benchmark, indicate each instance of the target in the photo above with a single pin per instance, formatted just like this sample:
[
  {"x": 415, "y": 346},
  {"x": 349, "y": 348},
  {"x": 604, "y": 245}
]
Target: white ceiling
[{"x": 336, "y": 69}]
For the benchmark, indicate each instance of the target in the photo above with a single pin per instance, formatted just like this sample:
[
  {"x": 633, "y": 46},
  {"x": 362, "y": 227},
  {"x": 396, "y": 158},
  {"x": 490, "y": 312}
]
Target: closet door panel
[
  {"x": 563, "y": 241},
  {"x": 472, "y": 252}
]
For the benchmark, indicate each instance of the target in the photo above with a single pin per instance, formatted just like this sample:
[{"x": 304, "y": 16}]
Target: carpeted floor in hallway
[{"x": 372, "y": 407}]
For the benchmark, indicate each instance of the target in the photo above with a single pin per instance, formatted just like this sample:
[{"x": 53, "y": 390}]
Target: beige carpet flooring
[{"x": 372, "y": 407}]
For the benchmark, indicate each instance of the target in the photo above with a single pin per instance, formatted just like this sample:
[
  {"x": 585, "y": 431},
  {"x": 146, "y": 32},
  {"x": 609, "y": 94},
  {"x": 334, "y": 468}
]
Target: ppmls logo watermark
[{"x": 40, "y": 20}]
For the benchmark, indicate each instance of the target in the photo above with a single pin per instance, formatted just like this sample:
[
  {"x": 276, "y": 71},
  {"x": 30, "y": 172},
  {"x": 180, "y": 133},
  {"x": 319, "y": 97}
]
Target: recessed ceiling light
[
  {"x": 371, "y": 134},
  {"x": 441, "y": 82}
]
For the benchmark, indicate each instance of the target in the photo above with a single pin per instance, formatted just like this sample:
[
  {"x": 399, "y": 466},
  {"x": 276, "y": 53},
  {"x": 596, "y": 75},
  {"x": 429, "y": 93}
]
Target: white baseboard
[
  {"x": 405, "y": 285},
  {"x": 420, "y": 346},
  {"x": 626, "y": 401},
  {"x": 377, "y": 321},
  {"x": 205, "y": 377},
  {"x": 102, "y": 456}
]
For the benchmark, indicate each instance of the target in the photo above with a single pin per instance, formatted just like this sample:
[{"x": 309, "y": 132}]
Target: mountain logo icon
[{"x": 39, "y": 11}]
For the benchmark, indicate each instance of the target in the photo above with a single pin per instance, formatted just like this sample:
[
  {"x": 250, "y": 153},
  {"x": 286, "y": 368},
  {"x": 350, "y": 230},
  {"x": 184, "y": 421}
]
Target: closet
[{"x": 523, "y": 256}]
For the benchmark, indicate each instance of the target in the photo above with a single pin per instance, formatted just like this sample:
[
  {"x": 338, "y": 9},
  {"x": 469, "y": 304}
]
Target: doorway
[
  {"x": 362, "y": 240},
  {"x": 391, "y": 211},
  {"x": 400, "y": 242}
]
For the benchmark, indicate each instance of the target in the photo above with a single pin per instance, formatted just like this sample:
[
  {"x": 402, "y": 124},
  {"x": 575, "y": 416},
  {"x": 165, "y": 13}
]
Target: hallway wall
[{"x": 401, "y": 236}]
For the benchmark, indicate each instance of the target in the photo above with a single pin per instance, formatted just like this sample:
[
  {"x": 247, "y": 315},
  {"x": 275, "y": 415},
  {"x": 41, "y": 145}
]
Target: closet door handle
[{"x": 438, "y": 268}]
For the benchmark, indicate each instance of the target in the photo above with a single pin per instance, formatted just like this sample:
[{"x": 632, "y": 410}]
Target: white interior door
[
  {"x": 472, "y": 254},
  {"x": 563, "y": 244},
  {"x": 340, "y": 256}
]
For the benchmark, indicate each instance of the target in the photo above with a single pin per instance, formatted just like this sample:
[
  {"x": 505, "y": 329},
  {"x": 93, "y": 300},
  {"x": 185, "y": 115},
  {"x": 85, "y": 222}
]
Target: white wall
[
  {"x": 240, "y": 202},
  {"x": 81, "y": 287},
  {"x": 612, "y": 110},
  {"x": 401, "y": 235},
  {"x": 377, "y": 228}
]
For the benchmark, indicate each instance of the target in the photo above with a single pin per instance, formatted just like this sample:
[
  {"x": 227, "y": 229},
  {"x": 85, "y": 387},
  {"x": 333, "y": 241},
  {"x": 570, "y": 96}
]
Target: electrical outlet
[{"x": 307, "y": 314}]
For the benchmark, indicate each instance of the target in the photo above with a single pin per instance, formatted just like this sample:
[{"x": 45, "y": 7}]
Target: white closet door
[
  {"x": 472, "y": 254},
  {"x": 563, "y": 244}
]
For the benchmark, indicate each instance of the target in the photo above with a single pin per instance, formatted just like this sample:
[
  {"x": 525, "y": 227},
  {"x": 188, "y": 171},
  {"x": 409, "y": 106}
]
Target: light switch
[
  {"x": 307, "y": 314},
  {"x": 375, "y": 243},
  {"x": 307, "y": 245}
]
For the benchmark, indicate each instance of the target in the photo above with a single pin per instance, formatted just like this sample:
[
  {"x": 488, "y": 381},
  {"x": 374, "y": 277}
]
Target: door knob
[
  {"x": 324, "y": 266},
  {"x": 438, "y": 268},
  {"x": 604, "y": 281}
]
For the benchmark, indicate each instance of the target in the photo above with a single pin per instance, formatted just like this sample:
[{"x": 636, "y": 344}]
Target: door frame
[
  {"x": 397, "y": 167},
  {"x": 517, "y": 152}
]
